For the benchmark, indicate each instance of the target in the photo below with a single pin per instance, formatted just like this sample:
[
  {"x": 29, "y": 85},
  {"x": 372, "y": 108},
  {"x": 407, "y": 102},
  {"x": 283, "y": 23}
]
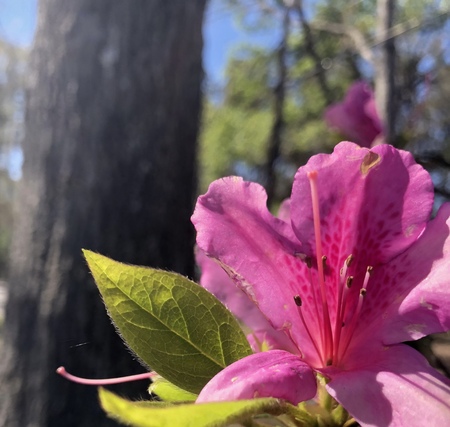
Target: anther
[
  {"x": 298, "y": 300},
  {"x": 354, "y": 321},
  {"x": 324, "y": 261},
  {"x": 349, "y": 281},
  {"x": 367, "y": 276},
  {"x": 308, "y": 261},
  {"x": 349, "y": 260}
]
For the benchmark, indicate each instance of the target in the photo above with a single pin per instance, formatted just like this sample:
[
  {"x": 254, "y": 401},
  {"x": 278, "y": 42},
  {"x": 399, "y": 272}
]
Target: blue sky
[
  {"x": 221, "y": 35},
  {"x": 18, "y": 18}
]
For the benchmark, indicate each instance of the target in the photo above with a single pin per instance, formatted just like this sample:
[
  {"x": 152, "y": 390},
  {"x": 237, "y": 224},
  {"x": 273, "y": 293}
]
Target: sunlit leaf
[
  {"x": 175, "y": 326},
  {"x": 148, "y": 414}
]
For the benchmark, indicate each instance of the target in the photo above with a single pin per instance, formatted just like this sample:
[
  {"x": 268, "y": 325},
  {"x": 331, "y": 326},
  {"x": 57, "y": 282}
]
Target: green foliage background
[{"x": 238, "y": 118}]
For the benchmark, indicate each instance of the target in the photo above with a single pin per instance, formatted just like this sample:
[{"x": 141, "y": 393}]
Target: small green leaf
[
  {"x": 217, "y": 414},
  {"x": 169, "y": 392},
  {"x": 174, "y": 325}
]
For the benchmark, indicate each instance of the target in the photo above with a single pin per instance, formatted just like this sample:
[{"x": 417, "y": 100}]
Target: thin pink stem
[
  {"x": 62, "y": 371},
  {"x": 345, "y": 283},
  {"x": 352, "y": 327},
  {"x": 316, "y": 306},
  {"x": 298, "y": 303}
]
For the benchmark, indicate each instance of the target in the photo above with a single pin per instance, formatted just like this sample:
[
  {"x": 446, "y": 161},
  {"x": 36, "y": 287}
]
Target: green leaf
[
  {"x": 170, "y": 392},
  {"x": 174, "y": 325},
  {"x": 149, "y": 414}
]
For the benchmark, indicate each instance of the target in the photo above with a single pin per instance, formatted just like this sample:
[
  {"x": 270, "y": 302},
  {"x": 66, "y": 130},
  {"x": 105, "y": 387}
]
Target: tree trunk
[
  {"x": 111, "y": 125},
  {"x": 275, "y": 138},
  {"x": 385, "y": 68}
]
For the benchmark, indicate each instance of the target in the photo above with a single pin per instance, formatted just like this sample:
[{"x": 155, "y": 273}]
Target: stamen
[
  {"x": 348, "y": 285},
  {"x": 287, "y": 330},
  {"x": 324, "y": 261},
  {"x": 107, "y": 381},
  {"x": 298, "y": 302},
  {"x": 342, "y": 308},
  {"x": 351, "y": 330},
  {"x": 349, "y": 260},
  {"x": 369, "y": 271},
  {"x": 308, "y": 261},
  {"x": 343, "y": 297},
  {"x": 316, "y": 298},
  {"x": 345, "y": 284},
  {"x": 328, "y": 337}
]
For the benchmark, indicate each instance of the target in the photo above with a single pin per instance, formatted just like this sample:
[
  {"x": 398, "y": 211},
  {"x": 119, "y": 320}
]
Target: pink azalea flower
[
  {"x": 262, "y": 336},
  {"x": 357, "y": 271},
  {"x": 356, "y": 117}
]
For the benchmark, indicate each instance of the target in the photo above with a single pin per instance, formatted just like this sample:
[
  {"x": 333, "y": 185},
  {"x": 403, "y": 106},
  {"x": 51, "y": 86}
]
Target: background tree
[
  {"x": 12, "y": 72},
  {"x": 400, "y": 47},
  {"x": 330, "y": 44},
  {"x": 111, "y": 125}
]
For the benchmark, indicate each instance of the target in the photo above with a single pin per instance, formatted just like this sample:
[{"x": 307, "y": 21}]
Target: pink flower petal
[
  {"x": 399, "y": 389},
  {"x": 284, "y": 212},
  {"x": 274, "y": 373},
  {"x": 374, "y": 203},
  {"x": 258, "y": 251},
  {"x": 270, "y": 339},
  {"x": 356, "y": 117},
  {"x": 410, "y": 296},
  {"x": 216, "y": 281}
]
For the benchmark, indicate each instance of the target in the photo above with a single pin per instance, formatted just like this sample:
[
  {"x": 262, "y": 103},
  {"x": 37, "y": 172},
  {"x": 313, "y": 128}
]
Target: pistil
[
  {"x": 327, "y": 344},
  {"x": 334, "y": 340},
  {"x": 107, "y": 381}
]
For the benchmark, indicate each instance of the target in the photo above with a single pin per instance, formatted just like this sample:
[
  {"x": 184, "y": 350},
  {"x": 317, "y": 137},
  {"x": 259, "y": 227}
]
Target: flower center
[{"x": 338, "y": 326}]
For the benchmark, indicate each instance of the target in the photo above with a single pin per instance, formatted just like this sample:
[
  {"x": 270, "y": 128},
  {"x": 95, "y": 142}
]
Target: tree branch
[
  {"x": 311, "y": 49},
  {"x": 358, "y": 39},
  {"x": 385, "y": 86},
  {"x": 274, "y": 144}
]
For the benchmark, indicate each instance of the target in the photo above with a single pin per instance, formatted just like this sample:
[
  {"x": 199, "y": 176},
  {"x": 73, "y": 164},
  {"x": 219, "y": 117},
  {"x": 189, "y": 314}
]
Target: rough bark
[
  {"x": 275, "y": 138},
  {"x": 384, "y": 64},
  {"x": 111, "y": 126}
]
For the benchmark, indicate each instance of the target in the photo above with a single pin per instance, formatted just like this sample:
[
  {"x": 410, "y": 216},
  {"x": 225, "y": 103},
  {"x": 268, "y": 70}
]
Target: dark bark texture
[
  {"x": 111, "y": 126},
  {"x": 275, "y": 138},
  {"x": 384, "y": 64}
]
